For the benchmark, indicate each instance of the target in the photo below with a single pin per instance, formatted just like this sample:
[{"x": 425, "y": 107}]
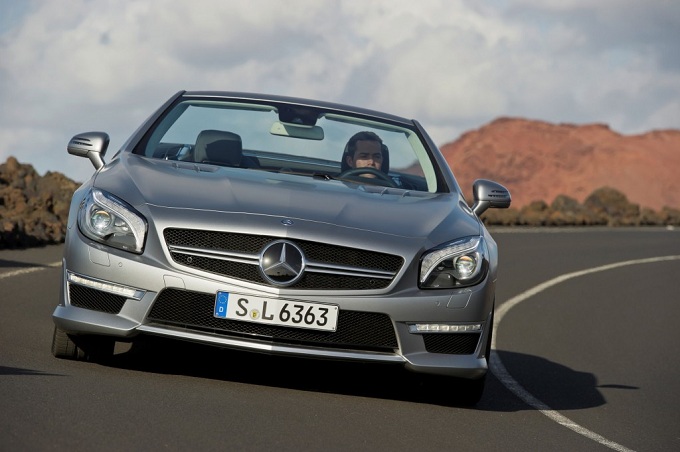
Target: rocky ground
[
  {"x": 34, "y": 209},
  {"x": 604, "y": 207}
]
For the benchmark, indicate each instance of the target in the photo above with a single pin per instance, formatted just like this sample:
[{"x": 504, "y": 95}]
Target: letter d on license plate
[{"x": 296, "y": 314}]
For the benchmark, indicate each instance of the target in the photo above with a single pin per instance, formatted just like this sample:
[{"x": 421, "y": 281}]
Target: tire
[
  {"x": 487, "y": 350},
  {"x": 82, "y": 348},
  {"x": 451, "y": 391},
  {"x": 471, "y": 391}
]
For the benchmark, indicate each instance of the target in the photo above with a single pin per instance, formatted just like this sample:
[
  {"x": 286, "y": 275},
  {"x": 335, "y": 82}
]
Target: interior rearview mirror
[{"x": 297, "y": 131}]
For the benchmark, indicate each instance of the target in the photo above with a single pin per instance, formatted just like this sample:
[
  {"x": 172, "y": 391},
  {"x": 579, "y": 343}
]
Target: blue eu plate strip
[{"x": 221, "y": 304}]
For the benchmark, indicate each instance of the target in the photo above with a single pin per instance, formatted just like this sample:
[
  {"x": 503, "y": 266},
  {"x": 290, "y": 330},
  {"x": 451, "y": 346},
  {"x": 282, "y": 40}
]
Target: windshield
[{"x": 301, "y": 141}]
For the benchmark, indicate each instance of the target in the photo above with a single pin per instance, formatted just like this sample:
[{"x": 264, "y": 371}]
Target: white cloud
[{"x": 77, "y": 65}]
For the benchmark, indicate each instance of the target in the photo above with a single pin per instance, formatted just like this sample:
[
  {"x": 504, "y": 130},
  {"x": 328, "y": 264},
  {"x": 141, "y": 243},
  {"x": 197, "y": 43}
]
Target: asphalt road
[{"x": 585, "y": 362}]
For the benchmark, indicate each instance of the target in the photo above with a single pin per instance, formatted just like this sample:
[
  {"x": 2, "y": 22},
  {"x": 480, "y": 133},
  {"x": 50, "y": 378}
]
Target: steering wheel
[{"x": 368, "y": 170}]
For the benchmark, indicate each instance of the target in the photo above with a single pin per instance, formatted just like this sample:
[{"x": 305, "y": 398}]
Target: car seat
[{"x": 218, "y": 147}]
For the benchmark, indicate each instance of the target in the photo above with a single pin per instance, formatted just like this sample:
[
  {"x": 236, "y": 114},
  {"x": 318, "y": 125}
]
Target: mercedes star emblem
[{"x": 282, "y": 263}]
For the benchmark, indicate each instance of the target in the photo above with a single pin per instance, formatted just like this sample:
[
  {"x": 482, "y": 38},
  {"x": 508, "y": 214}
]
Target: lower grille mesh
[
  {"x": 452, "y": 343},
  {"x": 356, "y": 330},
  {"x": 95, "y": 300}
]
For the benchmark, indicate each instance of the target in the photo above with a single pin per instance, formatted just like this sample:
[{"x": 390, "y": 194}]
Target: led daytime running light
[
  {"x": 104, "y": 286},
  {"x": 445, "y": 328}
]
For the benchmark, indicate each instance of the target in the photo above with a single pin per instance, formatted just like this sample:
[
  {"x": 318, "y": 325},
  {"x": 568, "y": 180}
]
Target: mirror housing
[
  {"x": 489, "y": 195},
  {"x": 92, "y": 145}
]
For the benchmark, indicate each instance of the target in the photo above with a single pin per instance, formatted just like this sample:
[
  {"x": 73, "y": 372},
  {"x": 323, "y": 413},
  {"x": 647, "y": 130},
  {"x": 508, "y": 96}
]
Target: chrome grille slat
[
  {"x": 244, "y": 258},
  {"x": 237, "y": 256},
  {"x": 319, "y": 267},
  {"x": 253, "y": 259}
]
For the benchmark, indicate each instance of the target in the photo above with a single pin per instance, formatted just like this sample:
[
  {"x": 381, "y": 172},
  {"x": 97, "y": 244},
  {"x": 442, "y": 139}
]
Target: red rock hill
[{"x": 537, "y": 160}]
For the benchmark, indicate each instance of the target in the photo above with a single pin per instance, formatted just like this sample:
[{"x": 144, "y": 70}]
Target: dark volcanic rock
[{"x": 33, "y": 208}]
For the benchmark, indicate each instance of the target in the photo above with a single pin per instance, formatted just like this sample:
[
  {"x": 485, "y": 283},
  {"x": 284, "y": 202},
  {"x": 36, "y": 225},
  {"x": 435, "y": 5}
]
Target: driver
[
  {"x": 364, "y": 150},
  {"x": 367, "y": 150}
]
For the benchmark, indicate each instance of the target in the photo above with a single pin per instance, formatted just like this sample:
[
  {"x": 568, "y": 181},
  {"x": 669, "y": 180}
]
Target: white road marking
[
  {"x": 24, "y": 271},
  {"x": 499, "y": 370}
]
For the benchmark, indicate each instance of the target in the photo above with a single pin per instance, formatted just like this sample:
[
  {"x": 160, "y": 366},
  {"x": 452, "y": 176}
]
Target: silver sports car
[{"x": 285, "y": 226}]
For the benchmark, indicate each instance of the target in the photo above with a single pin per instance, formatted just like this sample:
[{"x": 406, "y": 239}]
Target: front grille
[
  {"x": 451, "y": 343},
  {"x": 193, "y": 311},
  {"x": 95, "y": 300},
  {"x": 237, "y": 256}
]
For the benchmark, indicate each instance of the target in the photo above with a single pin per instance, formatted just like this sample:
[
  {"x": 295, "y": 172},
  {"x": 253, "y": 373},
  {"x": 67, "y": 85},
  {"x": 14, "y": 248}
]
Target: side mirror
[
  {"x": 92, "y": 145},
  {"x": 489, "y": 194}
]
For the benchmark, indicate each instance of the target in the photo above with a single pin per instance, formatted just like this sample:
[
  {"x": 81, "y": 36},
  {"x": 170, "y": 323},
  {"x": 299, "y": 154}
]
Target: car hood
[{"x": 150, "y": 182}]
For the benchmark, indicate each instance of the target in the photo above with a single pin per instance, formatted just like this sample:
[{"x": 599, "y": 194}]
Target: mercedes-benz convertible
[{"x": 284, "y": 226}]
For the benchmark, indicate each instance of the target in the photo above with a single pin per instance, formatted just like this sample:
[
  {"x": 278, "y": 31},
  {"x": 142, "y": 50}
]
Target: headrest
[{"x": 218, "y": 146}]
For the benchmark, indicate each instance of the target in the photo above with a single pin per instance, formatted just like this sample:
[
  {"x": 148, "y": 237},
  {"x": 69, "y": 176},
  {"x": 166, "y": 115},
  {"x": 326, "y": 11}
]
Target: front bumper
[{"x": 153, "y": 277}]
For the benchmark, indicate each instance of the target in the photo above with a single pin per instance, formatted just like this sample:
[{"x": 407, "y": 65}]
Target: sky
[{"x": 72, "y": 66}]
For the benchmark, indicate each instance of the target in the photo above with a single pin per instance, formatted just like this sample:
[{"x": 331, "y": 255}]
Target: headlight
[
  {"x": 109, "y": 220},
  {"x": 456, "y": 264}
]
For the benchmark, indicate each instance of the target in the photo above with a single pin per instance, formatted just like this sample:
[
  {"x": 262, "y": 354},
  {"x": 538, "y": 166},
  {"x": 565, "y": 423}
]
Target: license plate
[{"x": 297, "y": 314}]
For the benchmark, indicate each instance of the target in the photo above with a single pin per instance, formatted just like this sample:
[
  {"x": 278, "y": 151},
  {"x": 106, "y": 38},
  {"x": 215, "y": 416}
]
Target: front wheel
[
  {"x": 82, "y": 348},
  {"x": 471, "y": 391}
]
